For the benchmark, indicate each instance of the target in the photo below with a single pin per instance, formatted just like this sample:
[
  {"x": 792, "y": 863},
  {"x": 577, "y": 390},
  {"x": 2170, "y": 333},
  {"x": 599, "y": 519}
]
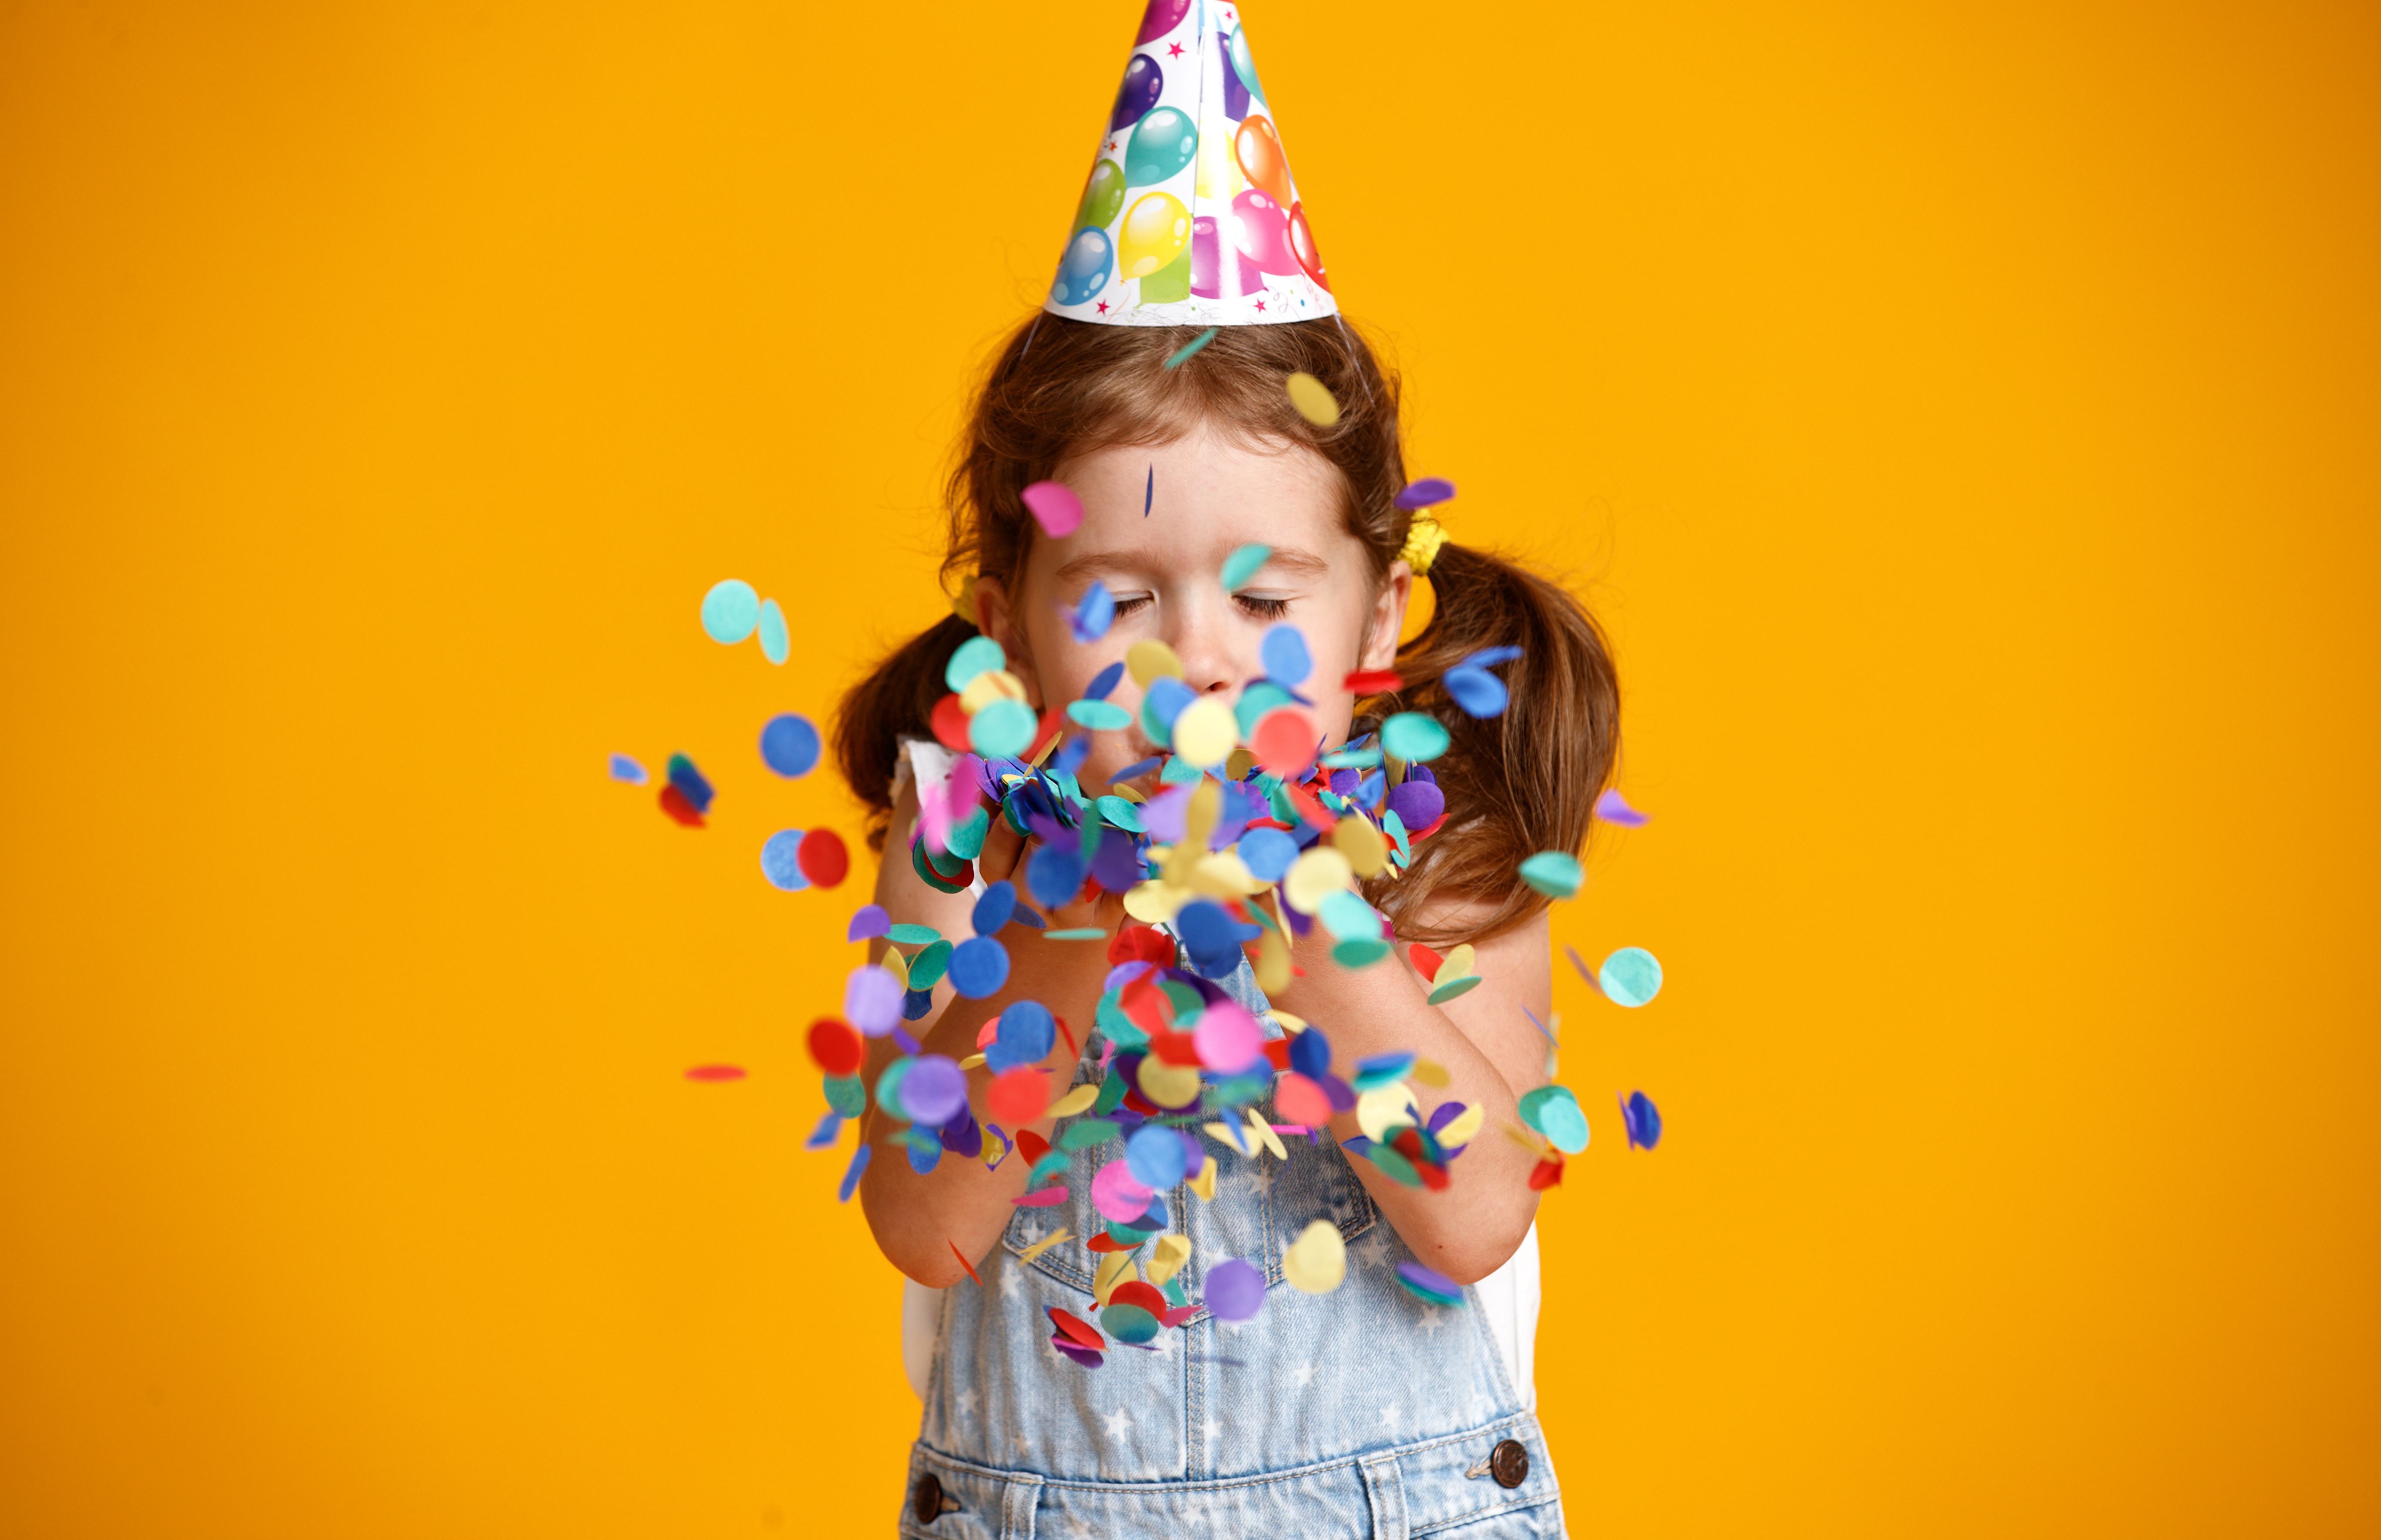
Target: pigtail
[
  {"x": 1518, "y": 783},
  {"x": 898, "y": 700}
]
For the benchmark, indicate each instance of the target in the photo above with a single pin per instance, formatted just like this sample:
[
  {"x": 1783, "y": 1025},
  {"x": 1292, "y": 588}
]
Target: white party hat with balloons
[{"x": 1190, "y": 218}]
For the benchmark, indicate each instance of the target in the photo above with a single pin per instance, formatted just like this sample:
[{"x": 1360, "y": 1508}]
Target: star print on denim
[{"x": 1118, "y": 1424}]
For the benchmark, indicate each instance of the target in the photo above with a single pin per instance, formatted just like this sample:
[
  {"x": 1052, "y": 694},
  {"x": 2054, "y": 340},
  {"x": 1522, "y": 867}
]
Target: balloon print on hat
[
  {"x": 1103, "y": 196},
  {"x": 1236, "y": 94},
  {"x": 1261, "y": 231},
  {"x": 1258, "y": 148},
  {"x": 1154, "y": 234},
  {"x": 1162, "y": 17},
  {"x": 1164, "y": 144},
  {"x": 1144, "y": 83},
  {"x": 1301, "y": 245},
  {"x": 1083, "y": 271},
  {"x": 1208, "y": 257},
  {"x": 1243, "y": 63}
]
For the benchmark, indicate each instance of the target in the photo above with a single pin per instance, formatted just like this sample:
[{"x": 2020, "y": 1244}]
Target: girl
[{"x": 1366, "y": 1409}]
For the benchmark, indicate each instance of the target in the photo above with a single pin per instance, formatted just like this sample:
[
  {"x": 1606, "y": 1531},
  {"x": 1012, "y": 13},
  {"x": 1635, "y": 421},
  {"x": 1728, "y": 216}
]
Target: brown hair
[{"x": 1515, "y": 784}]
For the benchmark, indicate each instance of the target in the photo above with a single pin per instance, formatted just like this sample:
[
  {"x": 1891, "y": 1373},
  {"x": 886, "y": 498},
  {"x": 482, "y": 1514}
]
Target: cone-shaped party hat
[{"x": 1190, "y": 218}]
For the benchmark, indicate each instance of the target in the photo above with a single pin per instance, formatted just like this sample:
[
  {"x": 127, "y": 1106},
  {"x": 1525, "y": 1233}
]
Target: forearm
[{"x": 1469, "y": 1228}]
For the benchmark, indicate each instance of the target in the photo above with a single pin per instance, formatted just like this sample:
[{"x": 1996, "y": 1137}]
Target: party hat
[{"x": 1190, "y": 218}]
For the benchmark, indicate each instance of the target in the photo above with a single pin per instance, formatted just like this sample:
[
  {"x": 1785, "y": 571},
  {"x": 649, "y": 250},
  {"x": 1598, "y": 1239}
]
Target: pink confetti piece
[
  {"x": 1584, "y": 971},
  {"x": 1054, "y": 508},
  {"x": 1049, "y": 1197},
  {"x": 716, "y": 1073}
]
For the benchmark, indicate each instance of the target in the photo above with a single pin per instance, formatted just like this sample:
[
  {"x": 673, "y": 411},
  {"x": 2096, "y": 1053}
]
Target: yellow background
[{"x": 1964, "y": 418}]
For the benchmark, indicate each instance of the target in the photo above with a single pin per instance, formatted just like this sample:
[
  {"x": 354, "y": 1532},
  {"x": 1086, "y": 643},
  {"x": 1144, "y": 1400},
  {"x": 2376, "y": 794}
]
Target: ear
[
  {"x": 996, "y": 618},
  {"x": 1389, "y": 619}
]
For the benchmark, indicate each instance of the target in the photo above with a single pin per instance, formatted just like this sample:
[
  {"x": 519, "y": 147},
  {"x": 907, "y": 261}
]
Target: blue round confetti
[
  {"x": 1629, "y": 976},
  {"x": 1028, "y": 1033},
  {"x": 1053, "y": 875},
  {"x": 1167, "y": 698},
  {"x": 1267, "y": 853},
  {"x": 1478, "y": 691},
  {"x": 1286, "y": 660},
  {"x": 775, "y": 644},
  {"x": 730, "y": 611},
  {"x": 1104, "y": 682},
  {"x": 1644, "y": 1120},
  {"x": 629, "y": 770},
  {"x": 780, "y": 863},
  {"x": 1310, "y": 1054},
  {"x": 991, "y": 910},
  {"x": 979, "y": 967},
  {"x": 853, "y": 1172},
  {"x": 789, "y": 745},
  {"x": 1235, "y": 1291},
  {"x": 1155, "y": 1156}
]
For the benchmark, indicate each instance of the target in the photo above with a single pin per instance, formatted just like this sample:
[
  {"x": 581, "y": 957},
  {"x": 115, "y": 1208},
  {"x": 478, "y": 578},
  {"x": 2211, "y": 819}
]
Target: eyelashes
[{"x": 1261, "y": 608}]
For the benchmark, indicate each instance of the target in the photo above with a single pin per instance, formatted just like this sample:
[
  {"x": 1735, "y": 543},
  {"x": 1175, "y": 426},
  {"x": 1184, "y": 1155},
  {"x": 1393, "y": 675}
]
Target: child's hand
[{"x": 1004, "y": 858}]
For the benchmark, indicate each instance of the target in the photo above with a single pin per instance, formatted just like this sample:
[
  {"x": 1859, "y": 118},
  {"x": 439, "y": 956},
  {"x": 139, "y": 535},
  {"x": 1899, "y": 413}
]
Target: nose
[{"x": 1206, "y": 659}]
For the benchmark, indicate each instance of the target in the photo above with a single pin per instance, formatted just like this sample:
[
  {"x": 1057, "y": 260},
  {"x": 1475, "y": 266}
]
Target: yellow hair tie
[
  {"x": 963, "y": 603},
  {"x": 1424, "y": 537}
]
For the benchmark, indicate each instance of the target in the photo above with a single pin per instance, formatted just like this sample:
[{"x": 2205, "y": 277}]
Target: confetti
[
  {"x": 689, "y": 783},
  {"x": 1286, "y": 661},
  {"x": 674, "y": 803},
  {"x": 1054, "y": 508},
  {"x": 1244, "y": 564},
  {"x": 776, "y": 642},
  {"x": 823, "y": 1137},
  {"x": 1285, "y": 742},
  {"x": 1414, "y": 737},
  {"x": 964, "y": 1262},
  {"x": 629, "y": 770},
  {"x": 822, "y": 858},
  {"x": 979, "y": 967},
  {"x": 1174, "y": 360},
  {"x": 1553, "y": 1112},
  {"x": 871, "y": 1000},
  {"x": 1630, "y": 977},
  {"x": 1313, "y": 399},
  {"x": 1235, "y": 1291},
  {"x": 1149, "y": 491},
  {"x": 1128, "y": 1323},
  {"x": 716, "y": 1073},
  {"x": 730, "y": 611},
  {"x": 1205, "y": 733},
  {"x": 1316, "y": 1263},
  {"x": 1373, "y": 681},
  {"x": 1641, "y": 1120},
  {"x": 781, "y": 861},
  {"x": 1049, "y": 1197},
  {"x": 1090, "y": 619},
  {"x": 976, "y": 656},
  {"x": 1103, "y": 683},
  {"x": 1425, "y": 1284},
  {"x": 1479, "y": 692},
  {"x": 1612, "y": 808},
  {"x": 834, "y": 1047},
  {"x": 1425, "y": 492},
  {"x": 853, "y": 1172},
  {"x": 1057, "y": 1237},
  {"x": 1150, "y": 660},
  {"x": 789, "y": 745},
  {"x": 1003, "y": 729},
  {"x": 1555, "y": 873}
]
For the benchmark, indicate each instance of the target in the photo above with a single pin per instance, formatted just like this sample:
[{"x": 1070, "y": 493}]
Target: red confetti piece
[
  {"x": 822, "y": 858},
  {"x": 1140, "y": 944},
  {"x": 1176, "y": 1047},
  {"x": 1426, "y": 962},
  {"x": 1179, "y": 1315},
  {"x": 1373, "y": 681},
  {"x": 1296, "y": 1097},
  {"x": 1308, "y": 810},
  {"x": 1049, "y": 1197},
  {"x": 964, "y": 1262},
  {"x": 716, "y": 1073},
  {"x": 1032, "y": 1145},
  {"x": 950, "y": 721},
  {"x": 1548, "y": 1174},
  {"x": 1135, "y": 1292},
  {"x": 1080, "y": 1331},
  {"x": 1276, "y": 1052},
  {"x": 834, "y": 1047},
  {"x": 674, "y": 803},
  {"x": 1066, "y": 1033},
  {"x": 1106, "y": 1243},
  {"x": 1020, "y": 1094},
  {"x": 1285, "y": 742}
]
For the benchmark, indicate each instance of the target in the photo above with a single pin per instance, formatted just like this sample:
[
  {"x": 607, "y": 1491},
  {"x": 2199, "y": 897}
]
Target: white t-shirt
[{"x": 1509, "y": 1297}]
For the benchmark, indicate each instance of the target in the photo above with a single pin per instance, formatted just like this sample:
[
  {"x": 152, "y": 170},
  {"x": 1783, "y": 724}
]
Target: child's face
[{"x": 1211, "y": 496}]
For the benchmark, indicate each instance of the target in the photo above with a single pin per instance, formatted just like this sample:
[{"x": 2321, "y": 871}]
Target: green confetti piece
[
  {"x": 1629, "y": 976},
  {"x": 1099, "y": 716},
  {"x": 913, "y": 935},
  {"x": 1244, "y": 564},
  {"x": 1414, "y": 738},
  {"x": 927, "y": 968},
  {"x": 967, "y": 833},
  {"x": 1362, "y": 952},
  {"x": 1123, "y": 814},
  {"x": 847, "y": 1096},
  {"x": 977, "y": 655},
  {"x": 1175, "y": 360},
  {"x": 1555, "y": 873},
  {"x": 1453, "y": 988},
  {"x": 1003, "y": 729},
  {"x": 1087, "y": 1133},
  {"x": 1394, "y": 1163},
  {"x": 1089, "y": 933}
]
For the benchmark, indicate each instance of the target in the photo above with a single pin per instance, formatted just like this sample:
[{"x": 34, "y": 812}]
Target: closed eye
[{"x": 1262, "y": 607}]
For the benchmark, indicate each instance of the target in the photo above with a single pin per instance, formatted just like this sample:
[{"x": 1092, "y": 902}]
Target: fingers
[{"x": 1003, "y": 852}]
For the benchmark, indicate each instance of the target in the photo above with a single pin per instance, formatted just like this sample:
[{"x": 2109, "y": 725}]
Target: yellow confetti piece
[
  {"x": 1238, "y": 764},
  {"x": 1291, "y": 1024},
  {"x": 1264, "y": 1131},
  {"x": 1525, "y": 1139},
  {"x": 1361, "y": 844},
  {"x": 1384, "y": 1107},
  {"x": 1152, "y": 659},
  {"x": 1430, "y": 1074},
  {"x": 973, "y": 1061},
  {"x": 1313, "y": 400},
  {"x": 1169, "y": 1085},
  {"x": 1222, "y": 874},
  {"x": 1115, "y": 1268},
  {"x": 1229, "y": 1135},
  {"x": 1464, "y": 1127},
  {"x": 1167, "y": 1258},
  {"x": 1207, "y": 731},
  {"x": 897, "y": 965},
  {"x": 1030, "y": 1253},
  {"x": 1132, "y": 794},
  {"x": 1457, "y": 964},
  {"x": 1199, "y": 818},
  {"x": 992, "y": 685},
  {"x": 1316, "y": 1263},
  {"x": 1073, "y": 1102},
  {"x": 1273, "y": 962},
  {"x": 1314, "y": 877},
  {"x": 1204, "y": 1184}
]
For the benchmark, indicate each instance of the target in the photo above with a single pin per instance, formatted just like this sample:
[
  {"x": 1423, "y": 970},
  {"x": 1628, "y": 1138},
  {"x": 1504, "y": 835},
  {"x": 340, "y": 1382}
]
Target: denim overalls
[{"x": 1363, "y": 1412}]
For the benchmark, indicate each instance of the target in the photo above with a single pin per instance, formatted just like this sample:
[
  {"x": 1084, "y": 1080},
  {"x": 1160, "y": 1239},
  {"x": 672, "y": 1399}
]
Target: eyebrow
[{"x": 1288, "y": 558}]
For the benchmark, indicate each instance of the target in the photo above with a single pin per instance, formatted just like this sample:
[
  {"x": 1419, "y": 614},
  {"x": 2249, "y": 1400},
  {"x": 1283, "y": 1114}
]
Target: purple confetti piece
[{"x": 1612, "y": 808}]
